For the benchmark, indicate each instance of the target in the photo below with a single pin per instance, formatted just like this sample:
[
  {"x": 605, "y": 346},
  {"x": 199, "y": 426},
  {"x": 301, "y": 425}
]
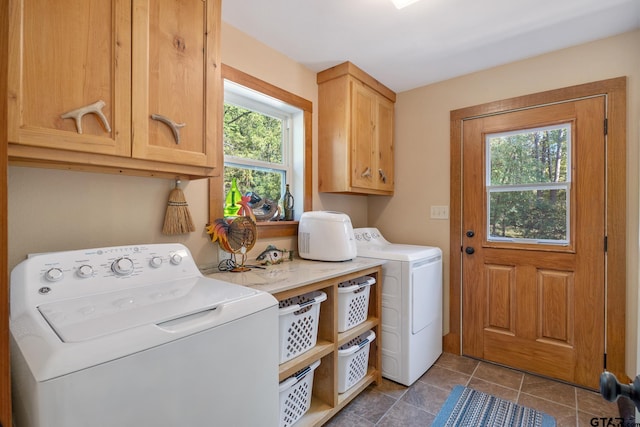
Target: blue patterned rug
[{"x": 468, "y": 407}]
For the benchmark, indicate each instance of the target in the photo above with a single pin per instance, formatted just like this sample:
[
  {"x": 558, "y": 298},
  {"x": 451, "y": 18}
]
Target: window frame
[{"x": 266, "y": 229}]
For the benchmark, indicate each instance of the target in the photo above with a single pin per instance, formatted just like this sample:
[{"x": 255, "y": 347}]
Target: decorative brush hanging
[{"x": 177, "y": 219}]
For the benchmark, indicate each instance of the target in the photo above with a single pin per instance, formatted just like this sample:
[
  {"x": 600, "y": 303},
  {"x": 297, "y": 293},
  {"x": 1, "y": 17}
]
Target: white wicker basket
[
  {"x": 353, "y": 302},
  {"x": 299, "y": 324},
  {"x": 295, "y": 395},
  {"x": 353, "y": 360}
]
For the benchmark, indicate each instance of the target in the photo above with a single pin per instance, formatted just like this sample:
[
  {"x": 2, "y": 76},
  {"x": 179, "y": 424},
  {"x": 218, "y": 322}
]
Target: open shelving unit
[{"x": 325, "y": 400}]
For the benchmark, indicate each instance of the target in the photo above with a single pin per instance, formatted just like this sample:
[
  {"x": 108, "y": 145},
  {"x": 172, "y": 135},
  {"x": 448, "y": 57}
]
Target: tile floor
[{"x": 394, "y": 405}]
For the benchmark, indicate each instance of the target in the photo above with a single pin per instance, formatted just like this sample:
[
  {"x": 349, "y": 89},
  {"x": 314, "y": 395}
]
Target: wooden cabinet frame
[
  {"x": 5, "y": 367},
  {"x": 355, "y": 132},
  {"x": 120, "y": 151}
]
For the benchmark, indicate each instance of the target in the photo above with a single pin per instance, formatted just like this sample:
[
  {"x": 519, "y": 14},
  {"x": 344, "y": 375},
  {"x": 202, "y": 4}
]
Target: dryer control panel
[{"x": 368, "y": 234}]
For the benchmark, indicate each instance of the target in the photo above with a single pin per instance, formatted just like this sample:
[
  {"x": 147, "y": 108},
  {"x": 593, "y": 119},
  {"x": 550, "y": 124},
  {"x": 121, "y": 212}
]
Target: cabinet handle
[
  {"x": 175, "y": 127},
  {"x": 95, "y": 108},
  {"x": 366, "y": 173},
  {"x": 382, "y": 176}
]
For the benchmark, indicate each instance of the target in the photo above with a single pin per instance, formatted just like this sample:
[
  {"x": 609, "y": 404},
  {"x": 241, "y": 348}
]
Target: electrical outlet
[{"x": 439, "y": 212}]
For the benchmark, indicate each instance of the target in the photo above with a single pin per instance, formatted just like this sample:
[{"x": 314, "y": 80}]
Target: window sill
[{"x": 268, "y": 229}]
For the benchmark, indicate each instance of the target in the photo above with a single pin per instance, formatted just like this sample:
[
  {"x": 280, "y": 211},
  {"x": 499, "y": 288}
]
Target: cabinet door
[
  {"x": 176, "y": 75},
  {"x": 384, "y": 152},
  {"x": 363, "y": 116},
  {"x": 65, "y": 55}
]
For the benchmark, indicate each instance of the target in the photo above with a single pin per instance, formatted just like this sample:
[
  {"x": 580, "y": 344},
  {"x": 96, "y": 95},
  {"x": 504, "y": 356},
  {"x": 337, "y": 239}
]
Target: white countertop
[{"x": 293, "y": 274}]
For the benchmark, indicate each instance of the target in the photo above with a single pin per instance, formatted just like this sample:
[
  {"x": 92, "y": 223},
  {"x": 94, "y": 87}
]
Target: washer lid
[
  {"x": 398, "y": 252},
  {"x": 85, "y": 318}
]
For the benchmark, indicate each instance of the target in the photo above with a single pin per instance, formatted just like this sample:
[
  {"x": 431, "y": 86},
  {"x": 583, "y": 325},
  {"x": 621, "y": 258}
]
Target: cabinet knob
[
  {"x": 366, "y": 173},
  {"x": 175, "y": 127},
  {"x": 383, "y": 176},
  {"x": 95, "y": 108}
]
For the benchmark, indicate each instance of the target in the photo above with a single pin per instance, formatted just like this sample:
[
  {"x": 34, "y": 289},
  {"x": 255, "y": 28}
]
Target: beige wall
[
  {"x": 52, "y": 210},
  {"x": 422, "y": 144}
]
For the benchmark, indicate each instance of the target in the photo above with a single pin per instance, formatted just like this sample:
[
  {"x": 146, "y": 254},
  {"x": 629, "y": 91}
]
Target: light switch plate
[{"x": 439, "y": 212}]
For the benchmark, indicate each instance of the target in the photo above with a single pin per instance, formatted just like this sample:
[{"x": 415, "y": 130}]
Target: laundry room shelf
[
  {"x": 368, "y": 324},
  {"x": 299, "y": 277},
  {"x": 326, "y": 400},
  {"x": 321, "y": 349}
]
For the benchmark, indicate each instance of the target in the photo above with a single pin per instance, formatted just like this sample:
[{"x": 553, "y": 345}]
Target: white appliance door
[
  {"x": 426, "y": 293},
  {"x": 224, "y": 376}
]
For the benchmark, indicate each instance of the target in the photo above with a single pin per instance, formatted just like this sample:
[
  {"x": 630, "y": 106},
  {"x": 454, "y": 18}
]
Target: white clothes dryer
[{"x": 411, "y": 304}]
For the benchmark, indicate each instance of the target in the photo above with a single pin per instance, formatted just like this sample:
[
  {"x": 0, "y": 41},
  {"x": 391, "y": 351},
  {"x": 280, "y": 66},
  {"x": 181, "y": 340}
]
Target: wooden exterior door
[{"x": 533, "y": 219}]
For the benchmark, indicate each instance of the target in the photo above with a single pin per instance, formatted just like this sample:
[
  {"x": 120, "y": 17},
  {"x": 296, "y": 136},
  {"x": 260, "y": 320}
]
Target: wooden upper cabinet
[
  {"x": 176, "y": 89},
  {"x": 63, "y": 56},
  {"x": 355, "y": 131},
  {"x": 147, "y": 72}
]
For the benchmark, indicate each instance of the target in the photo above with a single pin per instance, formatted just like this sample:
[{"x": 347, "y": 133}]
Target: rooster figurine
[{"x": 235, "y": 234}]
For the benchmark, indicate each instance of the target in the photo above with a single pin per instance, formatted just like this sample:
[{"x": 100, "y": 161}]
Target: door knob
[
  {"x": 611, "y": 389},
  {"x": 469, "y": 250},
  {"x": 470, "y": 233}
]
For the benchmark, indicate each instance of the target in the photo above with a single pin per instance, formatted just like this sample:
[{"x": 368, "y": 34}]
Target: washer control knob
[
  {"x": 122, "y": 266},
  {"x": 53, "y": 274},
  {"x": 156, "y": 262},
  {"x": 85, "y": 271},
  {"x": 366, "y": 236},
  {"x": 175, "y": 259}
]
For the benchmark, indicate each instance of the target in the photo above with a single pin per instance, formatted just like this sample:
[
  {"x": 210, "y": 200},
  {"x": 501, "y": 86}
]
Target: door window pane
[
  {"x": 528, "y": 185},
  {"x": 540, "y": 215}
]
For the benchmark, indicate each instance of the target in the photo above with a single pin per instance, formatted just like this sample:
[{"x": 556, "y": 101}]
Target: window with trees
[
  {"x": 258, "y": 141},
  {"x": 300, "y": 172},
  {"x": 528, "y": 185}
]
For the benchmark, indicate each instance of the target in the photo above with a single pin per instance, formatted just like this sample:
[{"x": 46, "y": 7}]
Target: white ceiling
[{"x": 428, "y": 41}]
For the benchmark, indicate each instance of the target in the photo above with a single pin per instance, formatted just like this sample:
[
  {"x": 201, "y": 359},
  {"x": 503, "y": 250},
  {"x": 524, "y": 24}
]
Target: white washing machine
[
  {"x": 411, "y": 304},
  {"x": 135, "y": 336}
]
